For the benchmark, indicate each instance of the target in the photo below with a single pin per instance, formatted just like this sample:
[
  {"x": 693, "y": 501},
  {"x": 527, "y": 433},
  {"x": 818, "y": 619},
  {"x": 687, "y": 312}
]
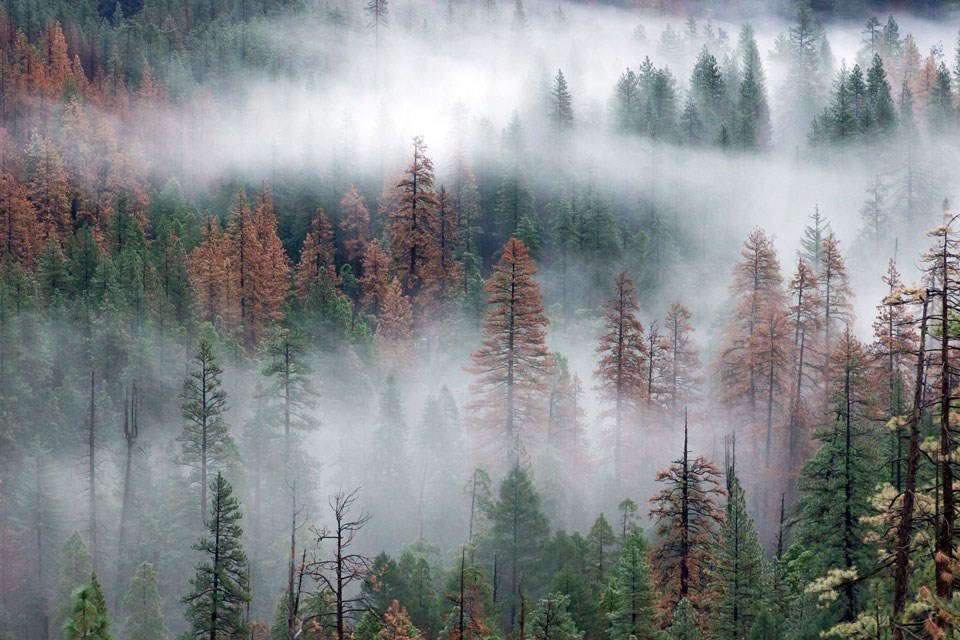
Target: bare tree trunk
[
  {"x": 130, "y": 433},
  {"x": 92, "y": 471},
  {"x": 905, "y": 526}
]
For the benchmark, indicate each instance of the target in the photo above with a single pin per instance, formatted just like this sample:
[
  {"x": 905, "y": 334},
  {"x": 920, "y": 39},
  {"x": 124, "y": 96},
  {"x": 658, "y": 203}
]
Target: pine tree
[
  {"x": 397, "y": 625},
  {"x": 688, "y": 517},
  {"x": 738, "y": 570},
  {"x": 811, "y": 244},
  {"x": 752, "y": 363},
  {"x": 874, "y": 215},
  {"x": 684, "y": 625},
  {"x": 291, "y": 392},
  {"x": 376, "y": 277},
  {"x": 708, "y": 92},
  {"x": 316, "y": 257},
  {"x": 551, "y": 620},
  {"x": 394, "y": 333},
  {"x": 892, "y": 349},
  {"x": 207, "y": 267},
  {"x": 561, "y": 104},
  {"x": 620, "y": 372},
  {"x": 836, "y": 484},
  {"x": 753, "y": 110},
  {"x": 88, "y": 618},
  {"x": 633, "y": 613},
  {"x": 271, "y": 270},
  {"x": 220, "y": 587},
  {"x": 601, "y": 551},
  {"x": 513, "y": 362},
  {"x": 76, "y": 564},
  {"x": 206, "y": 444},
  {"x": 520, "y": 529},
  {"x": 355, "y": 227},
  {"x": 805, "y": 50},
  {"x": 143, "y": 607},
  {"x": 514, "y": 204},
  {"x": 627, "y": 103},
  {"x": 47, "y": 188},
  {"x": 681, "y": 377},
  {"x": 835, "y": 292},
  {"x": 20, "y": 234},
  {"x": 879, "y": 97},
  {"x": 413, "y": 227}
]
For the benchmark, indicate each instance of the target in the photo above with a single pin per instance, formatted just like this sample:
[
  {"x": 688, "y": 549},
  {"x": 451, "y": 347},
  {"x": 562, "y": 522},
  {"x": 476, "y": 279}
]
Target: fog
[{"x": 341, "y": 110}]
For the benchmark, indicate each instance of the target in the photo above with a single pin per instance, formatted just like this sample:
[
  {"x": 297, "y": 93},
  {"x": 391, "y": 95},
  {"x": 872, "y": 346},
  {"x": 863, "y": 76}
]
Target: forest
[{"x": 479, "y": 320}]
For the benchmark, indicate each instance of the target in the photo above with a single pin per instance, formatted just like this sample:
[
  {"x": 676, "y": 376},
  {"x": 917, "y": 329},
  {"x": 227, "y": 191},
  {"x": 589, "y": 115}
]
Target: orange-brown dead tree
[
  {"x": 394, "y": 333},
  {"x": 413, "y": 227},
  {"x": 316, "y": 257},
  {"x": 688, "y": 518},
  {"x": 355, "y": 227},
  {"x": 621, "y": 368},
  {"x": 513, "y": 363},
  {"x": 375, "y": 278},
  {"x": 682, "y": 378}
]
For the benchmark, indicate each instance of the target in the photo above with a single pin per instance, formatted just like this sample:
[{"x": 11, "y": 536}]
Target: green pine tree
[
  {"x": 520, "y": 530},
  {"x": 633, "y": 597},
  {"x": 220, "y": 587},
  {"x": 143, "y": 607},
  {"x": 550, "y": 620},
  {"x": 738, "y": 570},
  {"x": 684, "y": 625},
  {"x": 88, "y": 616},
  {"x": 206, "y": 444},
  {"x": 76, "y": 564}
]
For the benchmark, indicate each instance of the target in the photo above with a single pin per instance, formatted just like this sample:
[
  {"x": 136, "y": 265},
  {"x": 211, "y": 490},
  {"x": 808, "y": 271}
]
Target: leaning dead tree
[{"x": 335, "y": 566}]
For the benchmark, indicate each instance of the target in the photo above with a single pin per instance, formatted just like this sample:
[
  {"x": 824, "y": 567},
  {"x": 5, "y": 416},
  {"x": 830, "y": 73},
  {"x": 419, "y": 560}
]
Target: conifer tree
[
  {"x": 753, "y": 111},
  {"x": 394, "y": 333},
  {"x": 688, "y": 517},
  {"x": 143, "y": 607},
  {"x": 76, "y": 565},
  {"x": 837, "y": 482},
  {"x": 752, "y": 363},
  {"x": 684, "y": 625},
  {"x": 601, "y": 551},
  {"x": 681, "y": 377},
  {"x": 375, "y": 278},
  {"x": 413, "y": 227},
  {"x": 520, "y": 529},
  {"x": 220, "y": 587},
  {"x": 207, "y": 267},
  {"x": 47, "y": 188},
  {"x": 874, "y": 214},
  {"x": 620, "y": 372},
  {"x": 88, "y": 617},
  {"x": 316, "y": 257},
  {"x": 551, "y": 620},
  {"x": 271, "y": 270},
  {"x": 892, "y": 349},
  {"x": 206, "y": 444},
  {"x": 738, "y": 570},
  {"x": 561, "y": 104},
  {"x": 397, "y": 625},
  {"x": 20, "y": 234},
  {"x": 290, "y": 389},
  {"x": 513, "y": 362},
  {"x": 355, "y": 226},
  {"x": 633, "y": 613}
]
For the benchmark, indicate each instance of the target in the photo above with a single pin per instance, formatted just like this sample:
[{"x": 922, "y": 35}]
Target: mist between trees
[{"x": 478, "y": 320}]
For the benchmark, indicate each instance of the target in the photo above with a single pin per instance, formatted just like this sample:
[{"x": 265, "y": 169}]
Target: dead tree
[
  {"x": 342, "y": 567},
  {"x": 131, "y": 429},
  {"x": 907, "y": 506}
]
